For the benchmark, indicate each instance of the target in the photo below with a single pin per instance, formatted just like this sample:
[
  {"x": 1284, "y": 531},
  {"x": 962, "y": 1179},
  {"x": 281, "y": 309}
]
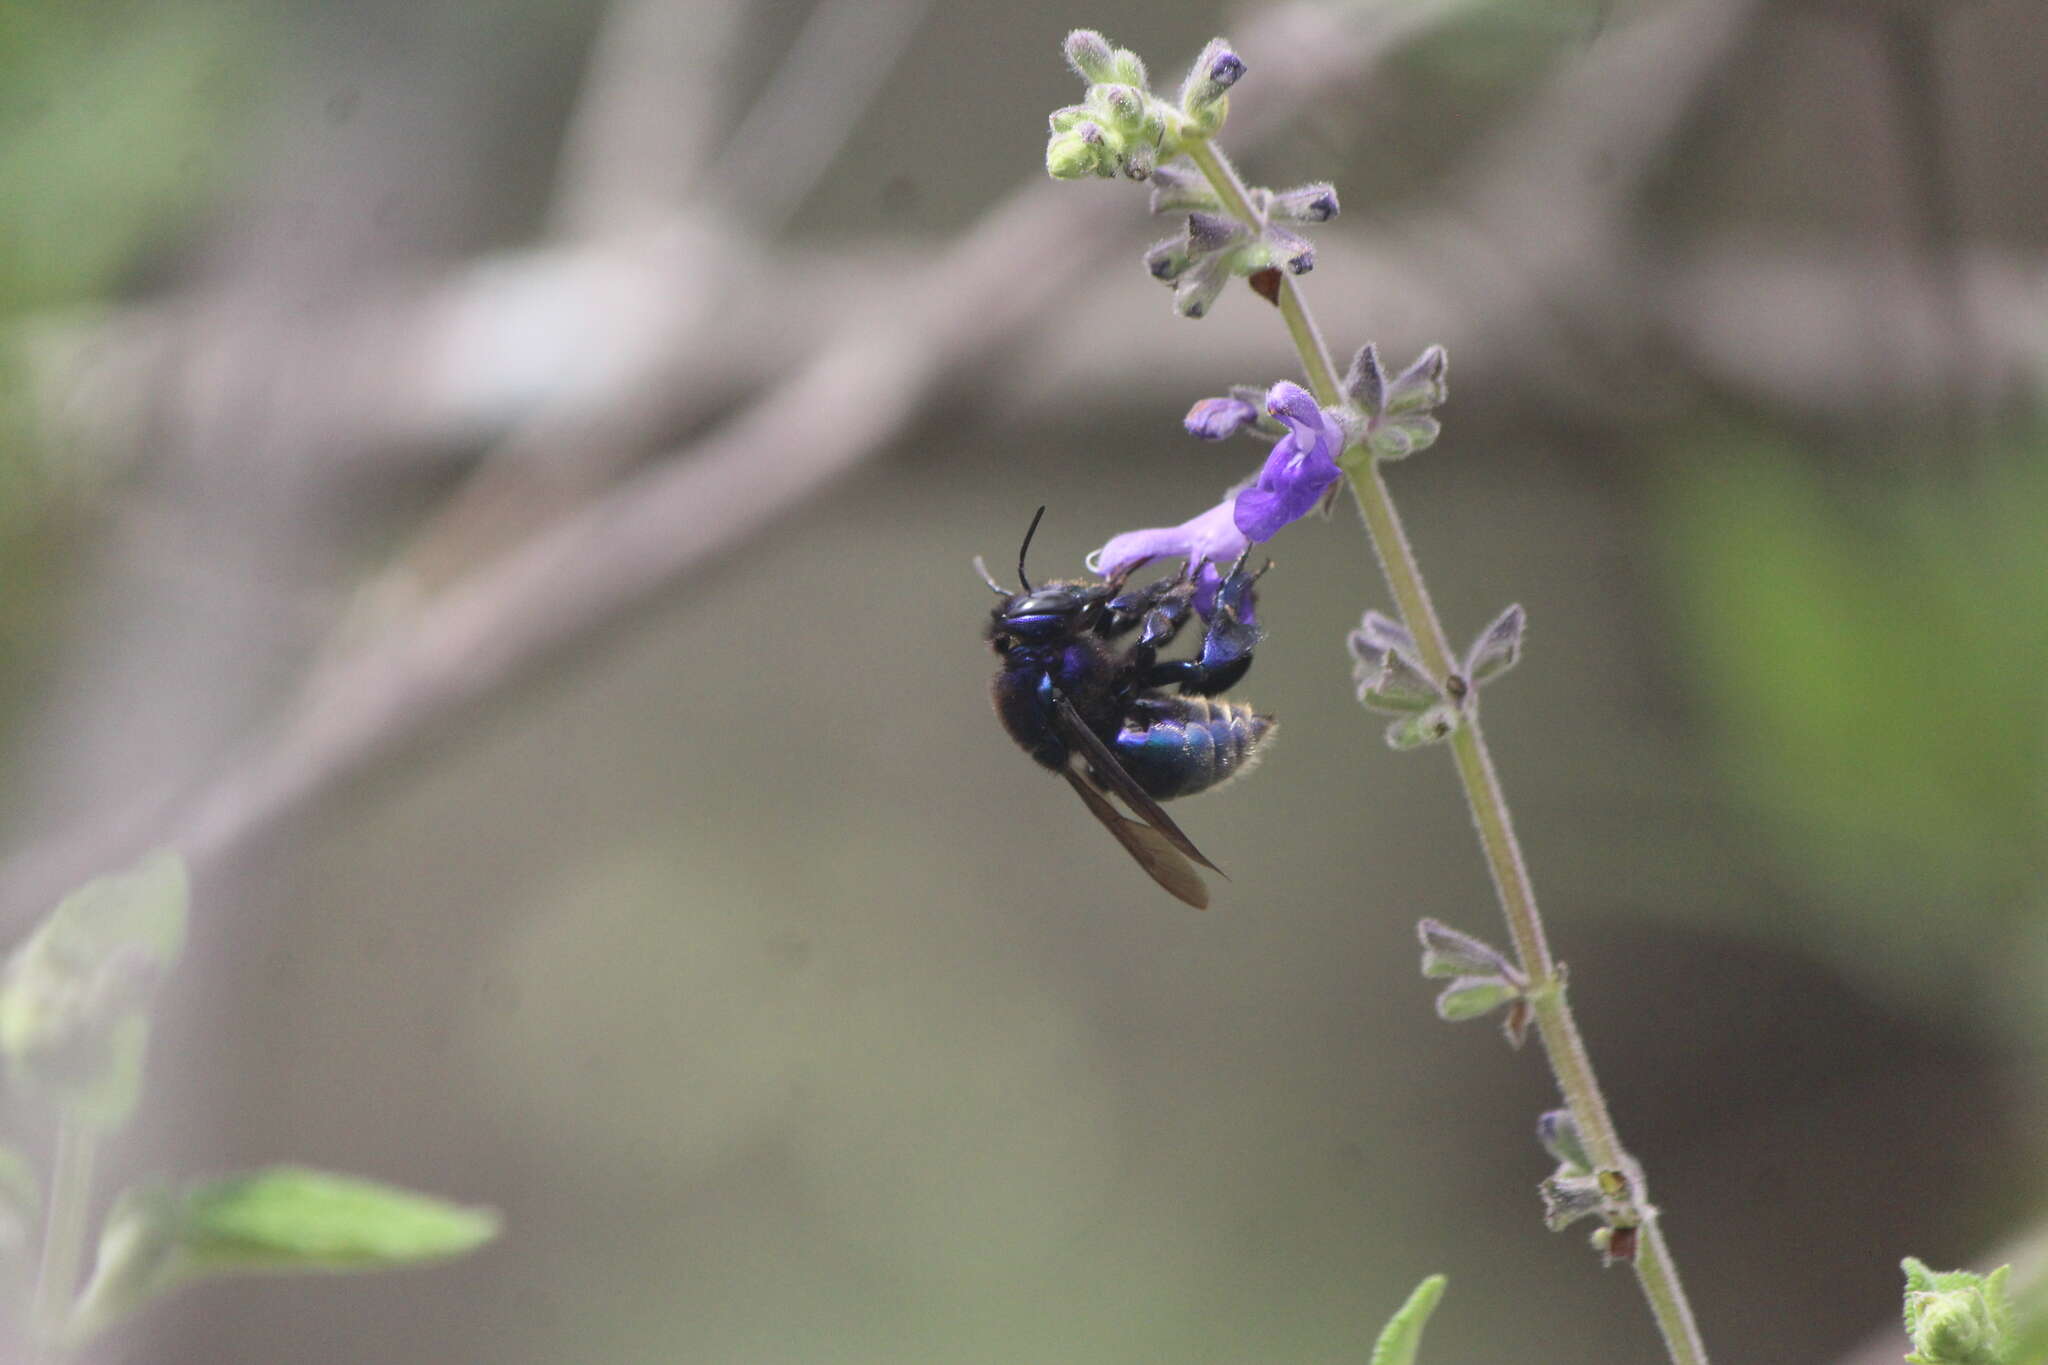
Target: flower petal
[
  {"x": 1302, "y": 467},
  {"x": 1212, "y": 538}
]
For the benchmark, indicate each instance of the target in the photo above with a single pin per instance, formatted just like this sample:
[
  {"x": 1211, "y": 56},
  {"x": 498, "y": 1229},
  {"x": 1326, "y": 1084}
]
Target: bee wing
[
  {"x": 1160, "y": 859},
  {"x": 1110, "y": 774}
]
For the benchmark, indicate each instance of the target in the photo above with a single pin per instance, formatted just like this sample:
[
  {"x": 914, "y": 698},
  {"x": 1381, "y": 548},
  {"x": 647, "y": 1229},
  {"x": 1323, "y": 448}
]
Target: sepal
[
  {"x": 1433, "y": 726},
  {"x": 1497, "y": 649},
  {"x": 1422, "y": 386},
  {"x": 1396, "y": 411},
  {"x": 1568, "y": 1198},
  {"x": 1558, "y": 1131},
  {"x": 1475, "y": 997},
  {"x": 1199, "y": 285},
  {"x": 1365, "y": 383},
  {"x": 1452, "y": 952},
  {"x": 1396, "y": 686},
  {"x": 1396, "y": 438},
  {"x": 1177, "y": 190},
  {"x": 1168, "y": 260}
]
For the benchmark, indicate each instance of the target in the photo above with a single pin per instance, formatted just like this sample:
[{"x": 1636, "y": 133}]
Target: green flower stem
[
  {"x": 1562, "y": 1045},
  {"x": 64, "y": 1227}
]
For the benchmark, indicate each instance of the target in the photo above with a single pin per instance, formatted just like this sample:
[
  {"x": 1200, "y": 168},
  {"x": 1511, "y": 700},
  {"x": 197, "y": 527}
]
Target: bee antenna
[
  {"x": 989, "y": 578},
  {"x": 1025, "y": 548}
]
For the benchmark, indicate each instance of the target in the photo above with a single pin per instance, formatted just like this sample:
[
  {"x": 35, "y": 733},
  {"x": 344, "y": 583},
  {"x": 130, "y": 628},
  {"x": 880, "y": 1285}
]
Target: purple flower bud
[
  {"x": 1209, "y": 232},
  {"x": 1315, "y": 203},
  {"x": 1211, "y": 76},
  {"x": 1213, "y": 419},
  {"x": 1291, "y": 249},
  {"x": 1211, "y": 538},
  {"x": 1301, "y": 468}
]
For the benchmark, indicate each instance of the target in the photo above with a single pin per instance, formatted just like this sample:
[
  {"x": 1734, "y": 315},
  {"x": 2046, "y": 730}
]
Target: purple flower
[
  {"x": 1211, "y": 538},
  {"x": 1298, "y": 472},
  {"x": 1212, "y": 419}
]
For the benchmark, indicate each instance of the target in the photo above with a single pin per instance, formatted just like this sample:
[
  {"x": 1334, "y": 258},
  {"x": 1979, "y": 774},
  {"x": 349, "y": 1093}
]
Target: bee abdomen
[{"x": 1177, "y": 746}]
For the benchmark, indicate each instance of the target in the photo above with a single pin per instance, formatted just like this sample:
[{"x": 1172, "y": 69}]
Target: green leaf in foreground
[
  {"x": 1402, "y": 1336},
  {"x": 279, "y": 1220},
  {"x": 292, "y": 1218}
]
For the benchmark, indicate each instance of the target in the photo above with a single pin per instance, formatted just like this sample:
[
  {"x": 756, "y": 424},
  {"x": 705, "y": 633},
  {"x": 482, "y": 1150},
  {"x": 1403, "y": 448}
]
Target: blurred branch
[
  {"x": 654, "y": 91},
  {"x": 812, "y": 104}
]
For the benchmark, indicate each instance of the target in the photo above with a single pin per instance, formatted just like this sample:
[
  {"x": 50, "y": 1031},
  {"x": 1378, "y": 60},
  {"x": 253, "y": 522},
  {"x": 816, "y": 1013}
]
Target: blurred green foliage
[
  {"x": 108, "y": 136},
  {"x": 1871, "y": 656}
]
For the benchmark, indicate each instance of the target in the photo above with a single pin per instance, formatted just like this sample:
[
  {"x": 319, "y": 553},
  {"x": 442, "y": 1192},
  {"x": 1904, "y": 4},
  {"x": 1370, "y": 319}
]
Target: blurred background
[{"x": 494, "y": 483}]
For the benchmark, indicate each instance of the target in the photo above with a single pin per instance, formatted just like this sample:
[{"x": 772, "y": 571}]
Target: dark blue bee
[{"x": 1084, "y": 700}]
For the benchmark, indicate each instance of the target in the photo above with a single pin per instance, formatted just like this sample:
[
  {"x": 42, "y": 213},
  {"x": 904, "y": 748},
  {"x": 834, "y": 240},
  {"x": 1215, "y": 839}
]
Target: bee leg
[
  {"x": 1162, "y": 608},
  {"x": 1226, "y": 646}
]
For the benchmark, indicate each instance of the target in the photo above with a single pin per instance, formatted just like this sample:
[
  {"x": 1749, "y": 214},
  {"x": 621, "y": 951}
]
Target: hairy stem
[
  {"x": 63, "y": 1231},
  {"x": 1562, "y": 1045}
]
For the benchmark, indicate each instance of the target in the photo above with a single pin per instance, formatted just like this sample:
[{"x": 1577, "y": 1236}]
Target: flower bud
[
  {"x": 1122, "y": 107},
  {"x": 1291, "y": 249},
  {"x": 1957, "y": 1317},
  {"x": 1209, "y": 232},
  {"x": 1211, "y": 76},
  {"x": 1315, "y": 203},
  {"x": 1075, "y": 153},
  {"x": 1214, "y": 419},
  {"x": 1128, "y": 68},
  {"x": 1090, "y": 54}
]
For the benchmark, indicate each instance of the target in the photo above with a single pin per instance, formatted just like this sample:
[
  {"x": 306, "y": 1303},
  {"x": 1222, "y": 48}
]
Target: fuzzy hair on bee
[{"x": 1081, "y": 689}]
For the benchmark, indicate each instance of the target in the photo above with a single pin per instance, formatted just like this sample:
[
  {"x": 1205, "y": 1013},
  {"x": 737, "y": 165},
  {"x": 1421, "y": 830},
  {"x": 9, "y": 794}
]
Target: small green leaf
[
  {"x": 75, "y": 994},
  {"x": 293, "y": 1218},
  {"x": 1402, "y": 1336},
  {"x": 282, "y": 1219}
]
